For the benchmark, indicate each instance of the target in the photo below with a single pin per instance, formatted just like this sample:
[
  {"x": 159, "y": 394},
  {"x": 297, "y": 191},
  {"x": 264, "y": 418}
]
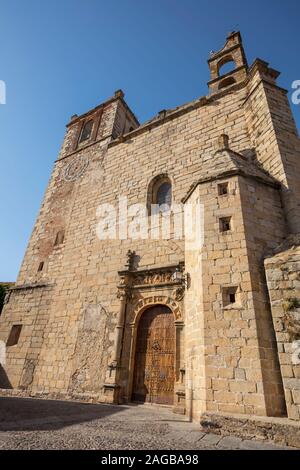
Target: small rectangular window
[
  {"x": 230, "y": 296},
  {"x": 222, "y": 189},
  {"x": 14, "y": 335},
  {"x": 225, "y": 224}
]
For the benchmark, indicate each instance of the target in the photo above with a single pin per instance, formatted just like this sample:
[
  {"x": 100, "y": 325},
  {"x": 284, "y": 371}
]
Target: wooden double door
[{"x": 154, "y": 371}]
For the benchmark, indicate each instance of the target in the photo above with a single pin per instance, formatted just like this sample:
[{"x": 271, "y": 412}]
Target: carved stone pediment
[
  {"x": 133, "y": 282},
  {"x": 163, "y": 275}
]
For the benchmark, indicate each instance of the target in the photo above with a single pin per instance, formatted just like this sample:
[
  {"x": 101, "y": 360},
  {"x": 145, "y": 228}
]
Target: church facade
[{"x": 107, "y": 311}]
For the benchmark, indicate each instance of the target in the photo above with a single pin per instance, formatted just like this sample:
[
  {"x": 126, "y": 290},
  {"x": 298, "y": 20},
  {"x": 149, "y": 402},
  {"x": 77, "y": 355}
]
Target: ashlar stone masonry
[{"x": 208, "y": 328}]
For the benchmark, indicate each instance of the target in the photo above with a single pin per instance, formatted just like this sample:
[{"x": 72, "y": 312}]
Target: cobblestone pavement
[{"x": 50, "y": 424}]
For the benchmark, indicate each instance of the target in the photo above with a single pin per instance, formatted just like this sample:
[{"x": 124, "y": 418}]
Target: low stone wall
[
  {"x": 80, "y": 397},
  {"x": 283, "y": 279},
  {"x": 281, "y": 431}
]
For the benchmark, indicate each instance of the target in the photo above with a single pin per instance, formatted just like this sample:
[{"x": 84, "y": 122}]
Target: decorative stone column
[
  {"x": 111, "y": 386},
  {"x": 124, "y": 296},
  {"x": 179, "y": 404},
  {"x": 133, "y": 330}
]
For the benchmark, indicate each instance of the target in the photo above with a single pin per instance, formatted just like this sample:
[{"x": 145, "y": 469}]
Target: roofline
[
  {"x": 119, "y": 95},
  {"x": 226, "y": 174},
  {"x": 162, "y": 118}
]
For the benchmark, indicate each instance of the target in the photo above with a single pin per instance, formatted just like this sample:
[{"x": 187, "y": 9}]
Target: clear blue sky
[{"x": 61, "y": 57}]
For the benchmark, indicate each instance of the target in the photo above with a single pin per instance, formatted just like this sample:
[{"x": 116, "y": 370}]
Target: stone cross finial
[
  {"x": 119, "y": 94},
  {"x": 223, "y": 142}
]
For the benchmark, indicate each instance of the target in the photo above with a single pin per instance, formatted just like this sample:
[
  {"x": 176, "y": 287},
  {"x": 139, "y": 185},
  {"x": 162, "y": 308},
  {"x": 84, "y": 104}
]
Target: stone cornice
[
  {"x": 263, "y": 67},
  {"x": 35, "y": 285},
  {"x": 82, "y": 149},
  {"x": 228, "y": 74},
  {"x": 227, "y": 174},
  {"x": 146, "y": 271}
]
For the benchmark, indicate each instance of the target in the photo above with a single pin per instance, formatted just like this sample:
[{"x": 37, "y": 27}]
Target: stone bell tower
[{"x": 233, "y": 51}]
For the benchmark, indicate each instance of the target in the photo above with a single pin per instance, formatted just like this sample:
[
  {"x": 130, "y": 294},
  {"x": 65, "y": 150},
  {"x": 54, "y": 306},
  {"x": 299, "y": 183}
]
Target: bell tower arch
[{"x": 232, "y": 51}]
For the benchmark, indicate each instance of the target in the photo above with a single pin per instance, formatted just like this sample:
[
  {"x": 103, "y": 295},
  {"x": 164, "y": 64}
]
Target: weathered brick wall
[{"x": 284, "y": 287}]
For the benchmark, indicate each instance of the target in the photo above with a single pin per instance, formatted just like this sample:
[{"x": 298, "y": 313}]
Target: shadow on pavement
[{"x": 32, "y": 414}]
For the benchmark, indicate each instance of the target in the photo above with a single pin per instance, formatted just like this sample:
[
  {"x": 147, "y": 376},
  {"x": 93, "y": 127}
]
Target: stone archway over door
[{"x": 154, "y": 370}]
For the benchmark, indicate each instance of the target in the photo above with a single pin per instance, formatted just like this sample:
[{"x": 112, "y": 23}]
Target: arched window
[
  {"x": 226, "y": 82},
  {"x": 159, "y": 193},
  {"x": 86, "y": 131},
  {"x": 164, "y": 194},
  {"x": 226, "y": 65}
]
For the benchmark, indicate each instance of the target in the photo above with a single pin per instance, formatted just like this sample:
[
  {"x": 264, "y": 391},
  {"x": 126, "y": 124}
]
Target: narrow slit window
[
  {"x": 14, "y": 335},
  {"x": 41, "y": 266},
  {"x": 59, "y": 239},
  {"x": 86, "y": 131}
]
